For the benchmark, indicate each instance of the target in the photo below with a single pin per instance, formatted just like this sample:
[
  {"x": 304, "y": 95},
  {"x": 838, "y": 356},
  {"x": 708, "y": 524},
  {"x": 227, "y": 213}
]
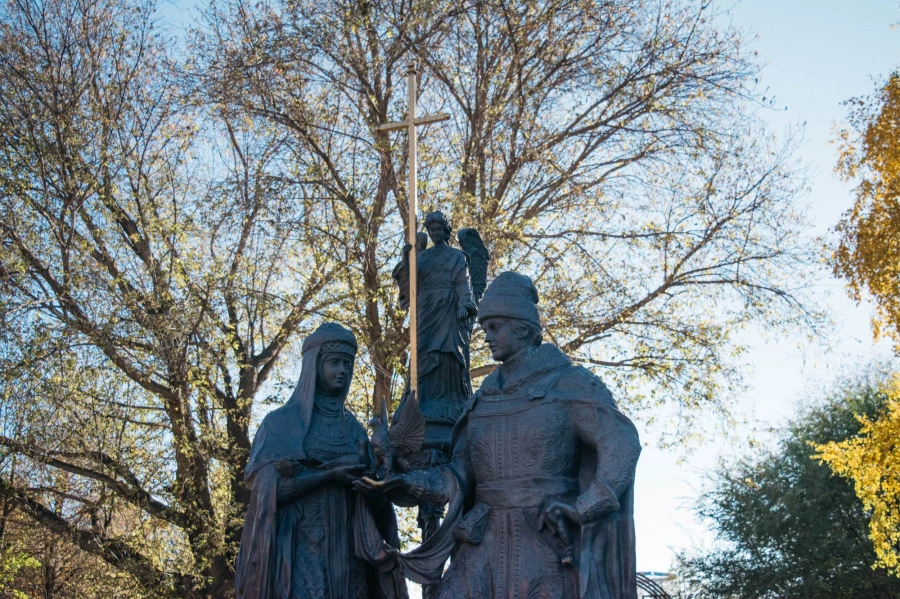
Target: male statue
[{"x": 541, "y": 479}]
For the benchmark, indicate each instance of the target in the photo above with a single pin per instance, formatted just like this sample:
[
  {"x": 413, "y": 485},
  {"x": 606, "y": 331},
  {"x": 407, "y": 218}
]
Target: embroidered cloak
[{"x": 308, "y": 548}]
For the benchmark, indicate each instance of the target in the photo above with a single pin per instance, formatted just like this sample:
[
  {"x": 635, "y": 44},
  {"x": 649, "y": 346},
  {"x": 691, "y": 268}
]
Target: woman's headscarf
[{"x": 282, "y": 431}]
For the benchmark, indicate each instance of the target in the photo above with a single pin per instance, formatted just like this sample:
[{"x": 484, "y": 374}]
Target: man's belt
[{"x": 524, "y": 492}]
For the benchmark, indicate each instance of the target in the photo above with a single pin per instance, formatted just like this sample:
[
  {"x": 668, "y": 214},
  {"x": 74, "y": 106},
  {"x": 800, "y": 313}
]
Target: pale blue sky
[{"x": 817, "y": 54}]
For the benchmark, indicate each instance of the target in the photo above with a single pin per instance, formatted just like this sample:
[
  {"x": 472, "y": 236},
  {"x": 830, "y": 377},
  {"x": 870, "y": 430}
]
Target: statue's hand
[
  {"x": 377, "y": 488},
  {"x": 346, "y": 474},
  {"x": 463, "y": 313},
  {"x": 554, "y": 511},
  {"x": 344, "y": 460},
  {"x": 345, "y": 469},
  {"x": 406, "y": 248}
]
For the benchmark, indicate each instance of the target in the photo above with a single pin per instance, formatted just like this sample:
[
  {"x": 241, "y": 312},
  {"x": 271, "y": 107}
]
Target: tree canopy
[
  {"x": 786, "y": 526},
  {"x": 865, "y": 254},
  {"x": 176, "y": 214}
]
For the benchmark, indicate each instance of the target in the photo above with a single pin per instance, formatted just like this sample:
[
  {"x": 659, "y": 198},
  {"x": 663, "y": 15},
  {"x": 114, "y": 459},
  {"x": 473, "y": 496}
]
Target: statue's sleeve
[
  {"x": 450, "y": 484},
  {"x": 435, "y": 485},
  {"x": 464, "y": 294},
  {"x": 606, "y": 431},
  {"x": 459, "y": 456},
  {"x": 259, "y": 558},
  {"x": 401, "y": 276}
]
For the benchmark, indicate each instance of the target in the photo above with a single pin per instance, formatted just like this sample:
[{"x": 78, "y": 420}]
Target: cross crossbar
[{"x": 404, "y": 124}]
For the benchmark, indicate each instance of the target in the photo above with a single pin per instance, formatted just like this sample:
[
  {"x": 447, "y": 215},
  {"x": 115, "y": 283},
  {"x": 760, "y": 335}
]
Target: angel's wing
[
  {"x": 477, "y": 256},
  {"x": 407, "y": 430},
  {"x": 383, "y": 416}
]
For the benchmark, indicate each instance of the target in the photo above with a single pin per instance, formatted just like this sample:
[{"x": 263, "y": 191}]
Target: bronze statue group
[{"x": 525, "y": 486}]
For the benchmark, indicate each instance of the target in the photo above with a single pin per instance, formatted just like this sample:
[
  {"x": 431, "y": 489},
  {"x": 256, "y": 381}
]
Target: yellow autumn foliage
[
  {"x": 867, "y": 252},
  {"x": 867, "y": 256},
  {"x": 872, "y": 461}
]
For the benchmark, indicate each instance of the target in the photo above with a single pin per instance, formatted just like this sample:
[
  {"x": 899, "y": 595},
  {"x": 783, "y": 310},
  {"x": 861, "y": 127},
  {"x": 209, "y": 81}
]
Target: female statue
[{"x": 303, "y": 520}]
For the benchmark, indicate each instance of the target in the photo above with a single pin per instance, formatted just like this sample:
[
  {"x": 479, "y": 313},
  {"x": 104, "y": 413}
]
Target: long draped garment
[
  {"x": 444, "y": 288},
  {"x": 552, "y": 431},
  {"x": 307, "y": 548}
]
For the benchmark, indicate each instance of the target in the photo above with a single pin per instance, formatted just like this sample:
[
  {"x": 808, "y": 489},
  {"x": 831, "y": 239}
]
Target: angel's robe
[{"x": 444, "y": 288}]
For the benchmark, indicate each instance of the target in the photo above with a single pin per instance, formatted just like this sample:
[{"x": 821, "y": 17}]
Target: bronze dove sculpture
[{"x": 392, "y": 446}]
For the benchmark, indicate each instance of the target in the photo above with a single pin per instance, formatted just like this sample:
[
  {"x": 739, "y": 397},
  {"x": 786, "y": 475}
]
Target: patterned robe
[{"x": 550, "y": 431}]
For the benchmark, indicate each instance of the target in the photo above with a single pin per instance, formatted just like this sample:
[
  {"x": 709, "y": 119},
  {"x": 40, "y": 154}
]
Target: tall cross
[{"x": 410, "y": 125}]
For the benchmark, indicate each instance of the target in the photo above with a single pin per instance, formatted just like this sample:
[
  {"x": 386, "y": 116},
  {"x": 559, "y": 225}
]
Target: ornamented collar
[{"x": 538, "y": 363}]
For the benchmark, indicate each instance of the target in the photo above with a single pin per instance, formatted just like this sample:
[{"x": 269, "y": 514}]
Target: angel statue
[{"x": 450, "y": 283}]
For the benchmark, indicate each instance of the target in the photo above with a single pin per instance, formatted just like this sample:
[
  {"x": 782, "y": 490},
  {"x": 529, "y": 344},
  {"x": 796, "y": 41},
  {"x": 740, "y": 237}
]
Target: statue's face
[
  {"x": 501, "y": 337},
  {"x": 437, "y": 232},
  {"x": 336, "y": 372}
]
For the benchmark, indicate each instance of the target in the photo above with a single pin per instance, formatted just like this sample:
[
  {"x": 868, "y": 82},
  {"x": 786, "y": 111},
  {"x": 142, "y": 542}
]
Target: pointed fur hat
[{"x": 510, "y": 295}]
